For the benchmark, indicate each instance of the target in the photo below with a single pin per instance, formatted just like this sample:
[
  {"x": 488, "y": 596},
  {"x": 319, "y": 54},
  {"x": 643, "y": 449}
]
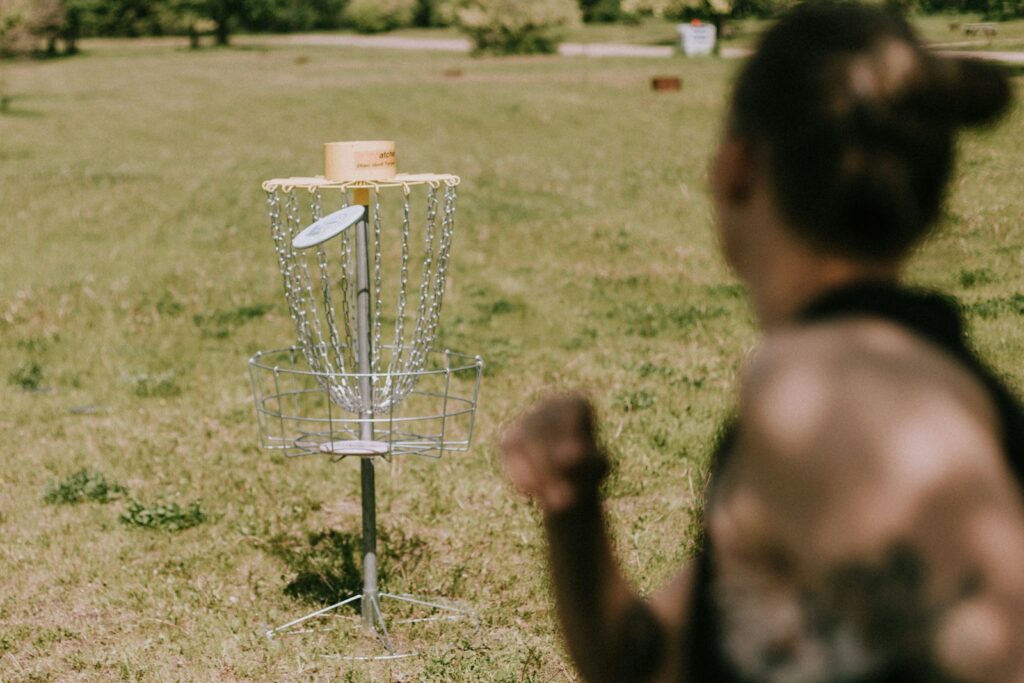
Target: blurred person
[{"x": 864, "y": 517}]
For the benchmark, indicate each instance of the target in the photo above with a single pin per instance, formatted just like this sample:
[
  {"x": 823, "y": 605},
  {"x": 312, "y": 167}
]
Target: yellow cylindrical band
[{"x": 360, "y": 160}]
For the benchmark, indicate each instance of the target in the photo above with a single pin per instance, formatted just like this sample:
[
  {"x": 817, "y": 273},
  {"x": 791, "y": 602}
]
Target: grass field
[{"x": 137, "y": 277}]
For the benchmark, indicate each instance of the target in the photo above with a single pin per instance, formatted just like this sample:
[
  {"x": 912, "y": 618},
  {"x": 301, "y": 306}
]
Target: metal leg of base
[
  {"x": 441, "y": 612},
  {"x": 287, "y": 628}
]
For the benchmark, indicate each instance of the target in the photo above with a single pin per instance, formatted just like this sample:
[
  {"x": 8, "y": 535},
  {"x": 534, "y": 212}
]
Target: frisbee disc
[{"x": 328, "y": 226}]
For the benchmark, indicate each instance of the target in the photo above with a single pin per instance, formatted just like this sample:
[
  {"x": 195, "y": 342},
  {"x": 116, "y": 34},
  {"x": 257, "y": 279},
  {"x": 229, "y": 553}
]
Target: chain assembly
[{"x": 321, "y": 294}]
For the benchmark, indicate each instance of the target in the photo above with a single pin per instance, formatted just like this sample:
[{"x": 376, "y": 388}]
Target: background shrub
[
  {"x": 282, "y": 16},
  {"x": 28, "y": 26},
  {"x": 374, "y": 16},
  {"x": 436, "y": 13},
  {"x": 517, "y": 27},
  {"x": 601, "y": 10},
  {"x": 653, "y": 8}
]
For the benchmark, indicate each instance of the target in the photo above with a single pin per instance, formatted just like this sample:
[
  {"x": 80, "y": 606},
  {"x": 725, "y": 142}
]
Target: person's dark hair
[{"x": 856, "y": 121}]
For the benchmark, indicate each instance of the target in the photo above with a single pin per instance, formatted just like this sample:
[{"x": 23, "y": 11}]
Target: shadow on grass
[
  {"x": 11, "y": 112},
  {"x": 326, "y": 566}
]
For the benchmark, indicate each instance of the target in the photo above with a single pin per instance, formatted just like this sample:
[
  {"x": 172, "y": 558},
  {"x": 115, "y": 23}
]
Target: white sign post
[{"x": 697, "y": 39}]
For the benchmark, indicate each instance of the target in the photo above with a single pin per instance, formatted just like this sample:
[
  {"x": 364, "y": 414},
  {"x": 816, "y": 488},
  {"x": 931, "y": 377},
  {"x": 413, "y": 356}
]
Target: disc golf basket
[{"x": 363, "y": 253}]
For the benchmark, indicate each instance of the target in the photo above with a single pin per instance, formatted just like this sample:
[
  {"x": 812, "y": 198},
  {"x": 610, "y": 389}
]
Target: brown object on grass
[{"x": 666, "y": 83}]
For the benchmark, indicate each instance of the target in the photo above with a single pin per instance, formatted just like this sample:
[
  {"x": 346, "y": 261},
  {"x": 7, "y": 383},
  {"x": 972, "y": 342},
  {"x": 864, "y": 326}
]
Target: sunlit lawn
[{"x": 137, "y": 277}]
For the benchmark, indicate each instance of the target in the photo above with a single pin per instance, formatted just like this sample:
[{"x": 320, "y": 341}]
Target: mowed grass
[{"x": 137, "y": 276}]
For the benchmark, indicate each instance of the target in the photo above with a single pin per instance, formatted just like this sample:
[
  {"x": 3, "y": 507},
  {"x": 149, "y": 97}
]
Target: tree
[
  {"x": 28, "y": 25},
  {"x": 15, "y": 37},
  {"x": 224, "y": 14},
  {"x": 601, "y": 10},
  {"x": 128, "y": 18},
  {"x": 375, "y": 16},
  {"x": 77, "y": 12},
  {"x": 46, "y": 22},
  {"x": 517, "y": 26}
]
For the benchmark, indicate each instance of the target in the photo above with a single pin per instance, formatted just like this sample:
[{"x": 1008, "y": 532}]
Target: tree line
[
  {"x": 50, "y": 26},
  {"x": 55, "y": 26}
]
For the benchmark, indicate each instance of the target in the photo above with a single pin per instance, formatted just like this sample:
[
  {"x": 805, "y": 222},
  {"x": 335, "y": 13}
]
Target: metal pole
[{"x": 364, "y": 351}]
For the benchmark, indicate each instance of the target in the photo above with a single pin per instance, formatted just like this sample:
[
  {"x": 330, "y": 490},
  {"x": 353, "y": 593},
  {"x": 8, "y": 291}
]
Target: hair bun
[{"x": 962, "y": 92}]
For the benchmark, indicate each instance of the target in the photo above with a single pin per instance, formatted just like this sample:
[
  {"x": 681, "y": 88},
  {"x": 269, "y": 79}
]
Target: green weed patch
[
  {"x": 163, "y": 516},
  {"x": 27, "y": 376},
  {"x": 220, "y": 324},
  {"x": 997, "y": 306},
  {"x": 83, "y": 486}
]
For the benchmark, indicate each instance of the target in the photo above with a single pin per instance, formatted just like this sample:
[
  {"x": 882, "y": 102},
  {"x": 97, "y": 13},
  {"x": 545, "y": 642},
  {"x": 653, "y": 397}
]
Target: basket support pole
[{"x": 369, "y": 603}]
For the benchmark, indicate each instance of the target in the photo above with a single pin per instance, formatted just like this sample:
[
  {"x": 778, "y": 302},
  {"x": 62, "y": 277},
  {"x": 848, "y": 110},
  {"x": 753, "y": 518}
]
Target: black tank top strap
[
  {"x": 937, "y": 318},
  {"x": 931, "y": 315}
]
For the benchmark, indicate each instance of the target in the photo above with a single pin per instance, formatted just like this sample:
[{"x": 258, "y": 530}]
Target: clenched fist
[{"x": 551, "y": 453}]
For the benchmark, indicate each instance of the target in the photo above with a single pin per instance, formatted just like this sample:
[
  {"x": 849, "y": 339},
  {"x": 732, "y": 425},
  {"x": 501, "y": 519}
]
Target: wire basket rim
[
  {"x": 404, "y": 180},
  {"x": 476, "y": 361}
]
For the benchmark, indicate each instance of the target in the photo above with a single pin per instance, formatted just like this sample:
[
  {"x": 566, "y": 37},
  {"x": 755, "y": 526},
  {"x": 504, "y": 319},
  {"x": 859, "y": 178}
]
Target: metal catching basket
[
  {"x": 322, "y": 286},
  {"x": 298, "y": 411}
]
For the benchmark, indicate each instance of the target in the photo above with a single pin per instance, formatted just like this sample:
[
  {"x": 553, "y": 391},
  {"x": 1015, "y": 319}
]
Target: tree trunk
[
  {"x": 222, "y": 32},
  {"x": 719, "y": 22},
  {"x": 72, "y": 29}
]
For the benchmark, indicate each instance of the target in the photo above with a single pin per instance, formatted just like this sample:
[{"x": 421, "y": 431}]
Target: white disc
[
  {"x": 354, "y": 447},
  {"x": 328, "y": 226}
]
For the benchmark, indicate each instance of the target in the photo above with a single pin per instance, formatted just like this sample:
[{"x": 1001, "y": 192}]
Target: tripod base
[{"x": 419, "y": 612}]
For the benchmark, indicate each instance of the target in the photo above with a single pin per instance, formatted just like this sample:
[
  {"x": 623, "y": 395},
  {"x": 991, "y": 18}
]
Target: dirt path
[
  {"x": 453, "y": 44},
  {"x": 565, "y": 49},
  {"x": 1006, "y": 57},
  {"x": 349, "y": 40},
  {"x": 463, "y": 45}
]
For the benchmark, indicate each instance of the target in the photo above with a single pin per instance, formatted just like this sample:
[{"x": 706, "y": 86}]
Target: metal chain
[
  {"x": 298, "y": 291},
  {"x": 398, "y": 345},
  {"x": 282, "y": 247},
  {"x": 375, "y": 348},
  {"x": 277, "y": 231},
  {"x": 332, "y": 356},
  {"x": 339, "y": 392},
  {"x": 348, "y": 293},
  {"x": 317, "y": 354},
  {"x": 440, "y": 276},
  {"x": 325, "y": 285},
  {"x": 416, "y": 356}
]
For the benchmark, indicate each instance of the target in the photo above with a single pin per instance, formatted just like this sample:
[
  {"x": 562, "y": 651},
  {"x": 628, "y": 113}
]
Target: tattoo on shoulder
[
  {"x": 867, "y": 620},
  {"x": 883, "y": 599}
]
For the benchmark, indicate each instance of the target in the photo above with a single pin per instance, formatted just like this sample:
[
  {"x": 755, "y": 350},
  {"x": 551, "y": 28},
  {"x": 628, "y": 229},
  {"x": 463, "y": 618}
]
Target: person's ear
[{"x": 732, "y": 172}]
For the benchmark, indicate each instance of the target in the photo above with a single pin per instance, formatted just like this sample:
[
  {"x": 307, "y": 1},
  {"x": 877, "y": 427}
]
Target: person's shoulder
[
  {"x": 866, "y": 388},
  {"x": 862, "y": 449}
]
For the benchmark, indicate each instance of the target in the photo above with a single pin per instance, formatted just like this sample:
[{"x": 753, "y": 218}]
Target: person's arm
[{"x": 552, "y": 455}]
